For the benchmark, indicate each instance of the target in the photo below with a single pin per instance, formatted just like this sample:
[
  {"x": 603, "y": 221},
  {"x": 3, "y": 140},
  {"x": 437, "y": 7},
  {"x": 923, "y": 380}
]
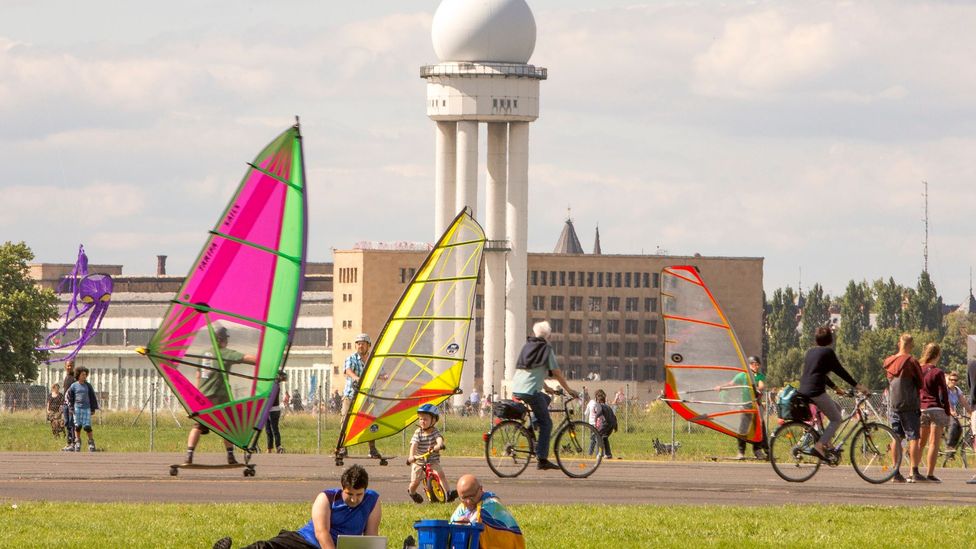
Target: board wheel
[
  {"x": 338, "y": 462},
  {"x": 173, "y": 471},
  {"x": 384, "y": 462},
  {"x": 249, "y": 471}
]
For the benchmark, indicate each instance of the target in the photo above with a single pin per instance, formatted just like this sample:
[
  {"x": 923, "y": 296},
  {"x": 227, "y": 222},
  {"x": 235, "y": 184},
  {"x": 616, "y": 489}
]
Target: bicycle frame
[{"x": 432, "y": 481}]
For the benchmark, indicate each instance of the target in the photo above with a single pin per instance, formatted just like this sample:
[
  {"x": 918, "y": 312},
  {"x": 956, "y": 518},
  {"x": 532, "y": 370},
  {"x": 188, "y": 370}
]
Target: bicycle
[
  {"x": 433, "y": 483},
  {"x": 871, "y": 453},
  {"x": 510, "y": 445},
  {"x": 963, "y": 448}
]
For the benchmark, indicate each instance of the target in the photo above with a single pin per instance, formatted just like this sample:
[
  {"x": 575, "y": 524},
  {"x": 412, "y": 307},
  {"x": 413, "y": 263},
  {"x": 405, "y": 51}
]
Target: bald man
[{"x": 477, "y": 506}]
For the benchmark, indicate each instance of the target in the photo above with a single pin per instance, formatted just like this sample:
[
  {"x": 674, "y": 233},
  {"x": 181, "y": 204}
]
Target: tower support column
[
  {"x": 495, "y": 206},
  {"x": 466, "y": 196},
  {"x": 445, "y": 155},
  {"x": 517, "y": 222}
]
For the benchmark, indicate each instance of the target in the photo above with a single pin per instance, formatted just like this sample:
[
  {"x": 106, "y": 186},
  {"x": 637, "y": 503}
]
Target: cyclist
[
  {"x": 818, "y": 362},
  {"x": 957, "y": 400},
  {"x": 535, "y": 361},
  {"x": 426, "y": 439}
]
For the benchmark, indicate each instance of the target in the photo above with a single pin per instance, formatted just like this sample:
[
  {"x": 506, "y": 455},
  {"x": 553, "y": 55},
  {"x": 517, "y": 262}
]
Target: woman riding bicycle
[
  {"x": 818, "y": 362},
  {"x": 535, "y": 361}
]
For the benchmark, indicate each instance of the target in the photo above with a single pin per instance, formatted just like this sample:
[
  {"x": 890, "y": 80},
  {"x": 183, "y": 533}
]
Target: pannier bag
[
  {"x": 508, "y": 409},
  {"x": 792, "y": 405}
]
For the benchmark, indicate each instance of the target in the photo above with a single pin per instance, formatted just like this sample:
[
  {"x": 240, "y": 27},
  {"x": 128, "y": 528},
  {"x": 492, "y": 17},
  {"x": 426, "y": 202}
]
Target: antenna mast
[{"x": 925, "y": 243}]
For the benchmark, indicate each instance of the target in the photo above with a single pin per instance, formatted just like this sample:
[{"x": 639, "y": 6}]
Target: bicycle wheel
[
  {"x": 873, "y": 454},
  {"x": 434, "y": 488},
  {"x": 572, "y": 449},
  {"x": 509, "y": 449},
  {"x": 786, "y": 452}
]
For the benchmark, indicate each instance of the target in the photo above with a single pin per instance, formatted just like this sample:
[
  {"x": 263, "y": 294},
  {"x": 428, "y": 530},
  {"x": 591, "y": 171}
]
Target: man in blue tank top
[{"x": 352, "y": 510}]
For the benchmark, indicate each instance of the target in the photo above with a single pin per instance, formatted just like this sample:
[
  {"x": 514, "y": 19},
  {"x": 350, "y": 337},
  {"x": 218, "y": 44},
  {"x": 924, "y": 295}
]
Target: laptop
[{"x": 361, "y": 542}]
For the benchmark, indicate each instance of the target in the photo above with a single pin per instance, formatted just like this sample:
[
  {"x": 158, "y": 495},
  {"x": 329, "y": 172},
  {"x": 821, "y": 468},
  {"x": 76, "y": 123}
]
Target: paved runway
[{"x": 144, "y": 477}]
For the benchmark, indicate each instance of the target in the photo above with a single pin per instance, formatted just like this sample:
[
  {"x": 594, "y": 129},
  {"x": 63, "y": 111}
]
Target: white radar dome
[{"x": 499, "y": 31}]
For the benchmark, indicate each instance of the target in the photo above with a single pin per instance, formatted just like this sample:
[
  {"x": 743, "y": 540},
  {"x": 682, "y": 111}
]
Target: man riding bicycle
[
  {"x": 535, "y": 361},
  {"x": 818, "y": 362}
]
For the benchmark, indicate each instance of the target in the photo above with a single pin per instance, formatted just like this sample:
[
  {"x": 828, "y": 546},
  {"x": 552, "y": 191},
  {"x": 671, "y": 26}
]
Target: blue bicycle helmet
[{"x": 429, "y": 409}]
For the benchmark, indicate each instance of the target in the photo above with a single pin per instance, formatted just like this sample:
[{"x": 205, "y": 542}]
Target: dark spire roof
[
  {"x": 596, "y": 243},
  {"x": 568, "y": 241}
]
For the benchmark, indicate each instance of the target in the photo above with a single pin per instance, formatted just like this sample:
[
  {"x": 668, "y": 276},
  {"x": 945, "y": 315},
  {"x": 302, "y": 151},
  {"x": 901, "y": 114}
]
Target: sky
[{"x": 800, "y": 132}]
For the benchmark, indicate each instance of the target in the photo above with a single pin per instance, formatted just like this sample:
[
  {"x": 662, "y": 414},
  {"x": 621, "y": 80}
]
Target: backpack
[
  {"x": 606, "y": 420},
  {"x": 792, "y": 405},
  {"x": 534, "y": 353}
]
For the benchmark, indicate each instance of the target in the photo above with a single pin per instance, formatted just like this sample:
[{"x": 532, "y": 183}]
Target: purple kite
[{"x": 90, "y": 293}]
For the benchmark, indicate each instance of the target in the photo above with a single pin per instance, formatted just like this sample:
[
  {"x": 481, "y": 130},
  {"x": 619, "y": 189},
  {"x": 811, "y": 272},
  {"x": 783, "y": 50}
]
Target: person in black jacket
[
  {"x": 818, "y": 362},
  {"x": 971, "y": 377}
]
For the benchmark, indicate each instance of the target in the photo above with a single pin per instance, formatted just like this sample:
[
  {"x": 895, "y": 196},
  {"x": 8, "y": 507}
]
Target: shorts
[
  {"x": 82, "y": 417},
  {"x": 934, "y": 416},
  {"x": 905, "y": 424},
  {"x": 204, "y": 430}
]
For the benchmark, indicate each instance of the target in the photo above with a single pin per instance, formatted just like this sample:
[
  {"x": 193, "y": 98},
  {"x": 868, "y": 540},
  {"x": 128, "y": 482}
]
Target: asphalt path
[{"x": 144, "y": 477}]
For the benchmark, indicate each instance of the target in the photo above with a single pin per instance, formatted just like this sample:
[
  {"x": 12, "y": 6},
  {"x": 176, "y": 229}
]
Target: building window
[
  {"x": 630, "y": 349},
  {"x": 572, "y": 278},
  {"x": 538, "y": 303},
  {"x": 479, "y": 323},
  {"x": 589, "y": 279},
  {"x": 613, "y": 348},
  {"x": 657, "y": 279},
  {"x": 557, "y": 346},
  {"x": 534, "y": 278},
  {"x": 552, "y": 278},
  {"x": 557, "y": 303},
  {"x": 544, "y": 279},
  {"x": 650, "y": 327},
  {"x": 596, "y": 303},
  {"x": 575, "y": 348},
  {"x": 650, "y": 348},
  {"x": 627, "y": 280},
  {"x": 593, "y": 349},
  {"x": 617, "y": 280},
  {"x": 613, "y": 326},
  {"x": 479, "y": 301},
  {"x": 576, "y": 325},
  {"x": 593, "y": 327},
  {"x": 630, "y": 305},
  {"x": 613, "y": 303},
  {"x": 562, "y": 278},
  {"x": 599, "y": 280},
  {"x": 557, "y": 325},
  {"x": 630, "y": 326},
  {"x": 575, "y": 303},
  {"x": 650, "y": 304},
  {"x": 645, "y": 280}
]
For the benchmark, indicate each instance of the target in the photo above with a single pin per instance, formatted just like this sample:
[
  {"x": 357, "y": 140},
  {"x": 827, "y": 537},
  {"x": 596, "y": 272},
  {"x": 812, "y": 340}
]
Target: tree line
[{"x": 862, "y": 344}]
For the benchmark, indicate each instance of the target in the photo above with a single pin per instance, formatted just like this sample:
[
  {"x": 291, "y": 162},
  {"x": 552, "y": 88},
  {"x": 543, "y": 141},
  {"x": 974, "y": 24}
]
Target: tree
[
  {"x": 887, "y": 303},
  {"x": 855, "y": 311},
  {"x": 958, "y": 327},
  {"x": 781, "y": 323},
  {"x": 24, "y": 311},
  {"x": 924, "y": 306},
  {"x": 816, "y": 313}
]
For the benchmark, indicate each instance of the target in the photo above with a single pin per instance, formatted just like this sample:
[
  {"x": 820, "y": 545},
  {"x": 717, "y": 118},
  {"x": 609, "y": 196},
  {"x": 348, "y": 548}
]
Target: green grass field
[{"x": 67, "y": 525}]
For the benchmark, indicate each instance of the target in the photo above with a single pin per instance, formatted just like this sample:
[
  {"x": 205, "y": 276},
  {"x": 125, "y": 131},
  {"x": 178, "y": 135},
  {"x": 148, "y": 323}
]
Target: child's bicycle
[
  {"x": 510, "y": 445},
  {"x": 433, "y": 483},
  {"x": 872, "y": 446}
]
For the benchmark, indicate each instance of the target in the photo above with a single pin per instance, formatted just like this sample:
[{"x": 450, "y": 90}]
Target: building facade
[{"x": 604, "y": 309}]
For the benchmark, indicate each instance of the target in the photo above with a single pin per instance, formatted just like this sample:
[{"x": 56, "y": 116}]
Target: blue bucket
[{"x": 441, "y": 534}]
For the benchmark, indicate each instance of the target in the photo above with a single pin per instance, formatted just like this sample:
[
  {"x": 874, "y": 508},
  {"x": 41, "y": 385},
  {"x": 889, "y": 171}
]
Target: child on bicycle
[{"x": 426, "y": 444}]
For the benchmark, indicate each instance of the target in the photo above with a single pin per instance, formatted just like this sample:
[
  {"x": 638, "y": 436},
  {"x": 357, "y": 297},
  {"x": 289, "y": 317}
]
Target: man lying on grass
[{"x": 352, "y": 510}]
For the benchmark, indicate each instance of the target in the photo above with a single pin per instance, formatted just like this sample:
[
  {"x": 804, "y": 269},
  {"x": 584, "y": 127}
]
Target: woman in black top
[{"x": 818, "y": 362}]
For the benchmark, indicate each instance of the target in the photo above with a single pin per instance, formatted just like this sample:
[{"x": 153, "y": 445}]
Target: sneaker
[
  {"x": 740, "y": 455},
  {"x": 417, "y": 498},
  {"x": 915, "y": 477},
  {"x": 223, "y": 543},
  {"x": 91, "y": 447},
  {"x": 545, "y": 464},
  {"x": 933, "y": 478},
  {"x": 375, "y": 455},
  {"x": 452, "y": 495},
  {"x": 899, "y": 478},
  {"x": 68, "y": 448},
  {"x": 972, "y": 480},
  {"x": 231, "y": 460},
  {"x": 77, "y": 447},
  {"x": 281, "y": 450}
]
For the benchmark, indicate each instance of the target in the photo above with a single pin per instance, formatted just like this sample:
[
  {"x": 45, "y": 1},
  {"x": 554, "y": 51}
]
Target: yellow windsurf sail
[
  {"x": 420, "y": 353},
  {"x": 707, "y": 380}
]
